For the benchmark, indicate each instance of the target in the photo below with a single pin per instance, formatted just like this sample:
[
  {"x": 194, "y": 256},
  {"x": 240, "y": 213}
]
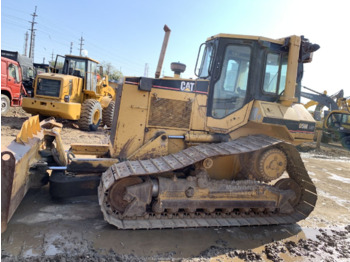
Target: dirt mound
[
  {"x": 331, "y": 245},
  {"x": 331, "y": 150},
  {"x": 11, "y": 124}
]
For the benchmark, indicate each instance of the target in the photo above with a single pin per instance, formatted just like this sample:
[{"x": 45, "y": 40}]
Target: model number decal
[
  {"x": 187, "y": 86},
  {"x": 303, "y": 126}
]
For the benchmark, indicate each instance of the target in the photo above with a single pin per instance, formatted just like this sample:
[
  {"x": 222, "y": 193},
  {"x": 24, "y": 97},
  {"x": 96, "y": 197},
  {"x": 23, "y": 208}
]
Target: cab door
[
  {"x": 91, "y": 76},
  {"x": 228, "y": 108},
  {"x": 14, "y": 79}
]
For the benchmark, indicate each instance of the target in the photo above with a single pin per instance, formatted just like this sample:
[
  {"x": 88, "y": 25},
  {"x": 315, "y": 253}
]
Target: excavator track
[{"x": 237, "y": 217}]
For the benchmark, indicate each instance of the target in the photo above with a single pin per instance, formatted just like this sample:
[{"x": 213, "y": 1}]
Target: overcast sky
[{"x": 129, "y": 34}]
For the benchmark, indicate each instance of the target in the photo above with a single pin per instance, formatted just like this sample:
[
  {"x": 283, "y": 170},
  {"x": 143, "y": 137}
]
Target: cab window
[
  {"x": 230, "y": 89},
  {"x": 14, "y": 72},
  {"x": 275, "y": 73}
]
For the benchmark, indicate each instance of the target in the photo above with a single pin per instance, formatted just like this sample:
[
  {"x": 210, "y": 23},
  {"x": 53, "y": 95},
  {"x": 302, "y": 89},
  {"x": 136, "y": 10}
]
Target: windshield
[
  {"x": 230, "y": 89},
  {"x": 74, "y": 66},
  {"x": 275, "y": 73},
  {"x": 339, "y": 120}
]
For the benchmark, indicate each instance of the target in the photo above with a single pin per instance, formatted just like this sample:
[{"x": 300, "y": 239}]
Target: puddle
[{"x": 339, "y": 178}]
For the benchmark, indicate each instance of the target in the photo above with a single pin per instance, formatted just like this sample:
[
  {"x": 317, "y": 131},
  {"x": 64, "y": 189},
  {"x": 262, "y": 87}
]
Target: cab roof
[
  {"x": 248, "y": 37},
  {"x": 83, "y": 57}
]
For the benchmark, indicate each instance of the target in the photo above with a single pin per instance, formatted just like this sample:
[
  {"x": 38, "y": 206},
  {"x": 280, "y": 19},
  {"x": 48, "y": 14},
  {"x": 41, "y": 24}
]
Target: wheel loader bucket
[{"x": 17, "y": 160}]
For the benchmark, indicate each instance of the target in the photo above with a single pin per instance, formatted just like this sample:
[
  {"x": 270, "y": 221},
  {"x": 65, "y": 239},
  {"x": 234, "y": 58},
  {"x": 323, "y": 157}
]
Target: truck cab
[
  {"x": 26, "y": 65},
  {"x": 11, "y": 84}
]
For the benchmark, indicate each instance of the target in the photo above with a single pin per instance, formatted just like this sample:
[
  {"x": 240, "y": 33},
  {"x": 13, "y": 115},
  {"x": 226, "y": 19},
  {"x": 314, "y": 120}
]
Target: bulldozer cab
[
  {"x": 78, "y": 66},
  {"x": 241, "y": 69}
]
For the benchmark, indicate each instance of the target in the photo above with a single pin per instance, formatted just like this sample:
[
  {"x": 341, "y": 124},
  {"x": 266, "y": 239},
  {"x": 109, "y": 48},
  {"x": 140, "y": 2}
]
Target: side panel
[
  {"x": 230, "y": 122},
  {"x": 168, "y": 106},
  {"x": 294, "y": 122},
  {"x": 129, "y": 120}
]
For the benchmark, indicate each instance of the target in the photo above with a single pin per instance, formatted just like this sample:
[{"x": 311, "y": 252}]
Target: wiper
[{"x": 279, "y": 96}]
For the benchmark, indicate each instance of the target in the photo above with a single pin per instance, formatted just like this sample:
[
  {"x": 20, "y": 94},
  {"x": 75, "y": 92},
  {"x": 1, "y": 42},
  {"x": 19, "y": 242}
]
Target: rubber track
[{"x": 189, "y": 156}]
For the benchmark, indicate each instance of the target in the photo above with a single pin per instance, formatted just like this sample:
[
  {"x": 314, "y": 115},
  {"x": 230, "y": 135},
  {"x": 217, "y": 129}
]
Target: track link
[{"x": 295, "y": 169}]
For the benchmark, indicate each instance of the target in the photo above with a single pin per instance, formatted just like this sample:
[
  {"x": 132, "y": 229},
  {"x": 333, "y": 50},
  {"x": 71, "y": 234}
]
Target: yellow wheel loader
[
  {"x": 336, "y": 128},
  {"x": 74, "y": 91},
  {"x": 216, "y": 151}
]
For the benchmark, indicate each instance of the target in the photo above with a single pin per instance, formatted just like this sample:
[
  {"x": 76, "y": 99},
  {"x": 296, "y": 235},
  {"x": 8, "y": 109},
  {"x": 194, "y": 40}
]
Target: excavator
[{"x": 215, "y": 151}]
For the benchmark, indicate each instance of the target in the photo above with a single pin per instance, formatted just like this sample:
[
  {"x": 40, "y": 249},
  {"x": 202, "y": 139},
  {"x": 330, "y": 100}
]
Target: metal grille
[
  {"x": 48, "y": 87},
  {"x": 170, "y": 113}
]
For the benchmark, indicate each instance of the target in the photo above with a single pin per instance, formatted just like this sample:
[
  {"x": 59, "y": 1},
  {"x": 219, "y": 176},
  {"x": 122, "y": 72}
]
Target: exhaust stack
[{"x": 162, "y": 52}]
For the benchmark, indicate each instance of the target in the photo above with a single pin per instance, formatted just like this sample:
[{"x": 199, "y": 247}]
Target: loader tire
[
  {"x": 91, "y": 115},
  {"x": 5, "y": 104},
  {"x": 107, "y": 114},
  {"x": 325, "y": 139},
  {"x": 346, "y": 142}
]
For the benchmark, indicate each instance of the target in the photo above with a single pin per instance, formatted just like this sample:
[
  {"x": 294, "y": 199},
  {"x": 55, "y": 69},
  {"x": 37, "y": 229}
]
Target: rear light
[{"x": 66, "y": 98}]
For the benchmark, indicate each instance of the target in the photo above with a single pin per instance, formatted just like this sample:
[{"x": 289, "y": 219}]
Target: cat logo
[{"x": 187, "y": 86}]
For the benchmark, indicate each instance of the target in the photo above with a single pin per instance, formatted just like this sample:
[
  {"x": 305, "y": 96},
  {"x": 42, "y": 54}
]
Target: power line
[{"x": 66, "y": 33}]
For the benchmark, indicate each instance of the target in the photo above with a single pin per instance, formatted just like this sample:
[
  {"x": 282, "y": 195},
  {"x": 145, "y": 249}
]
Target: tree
[{"x": 111, "y": 71}]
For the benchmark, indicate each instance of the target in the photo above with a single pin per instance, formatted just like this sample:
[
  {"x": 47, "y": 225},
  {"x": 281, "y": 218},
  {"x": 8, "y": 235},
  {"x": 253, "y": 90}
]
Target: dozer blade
[{"x": 18, "y": 158}]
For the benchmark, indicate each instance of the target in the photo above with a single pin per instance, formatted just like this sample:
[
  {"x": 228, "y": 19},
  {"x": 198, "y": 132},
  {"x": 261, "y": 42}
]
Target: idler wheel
[
  {"x": 117, "y": 192},
  {"x": 290, "y": 184},
  {"x": 269, "y": 164}
]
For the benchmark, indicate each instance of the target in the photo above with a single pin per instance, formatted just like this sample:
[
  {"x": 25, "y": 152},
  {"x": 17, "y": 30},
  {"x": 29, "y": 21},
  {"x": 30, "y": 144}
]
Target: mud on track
[{"x": 74, "y": 230}]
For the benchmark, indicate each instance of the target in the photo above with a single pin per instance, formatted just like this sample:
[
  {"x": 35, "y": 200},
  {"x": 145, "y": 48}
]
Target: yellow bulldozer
[
  {"x": 74, "y": 91},
  {"x": 213, "y": 151}
]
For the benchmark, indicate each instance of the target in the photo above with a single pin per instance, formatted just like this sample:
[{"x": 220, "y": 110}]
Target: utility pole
[
  {"x": 81, "y": 45},
  {"x": 25, "y": 44},
  {"x": 32, "y": 35},
  {"x": 108, "y": 68},
  {"x": 71, "y": 48},
  {"x": 33, "y": 46},
  {"x": 43, "y": 60},
  {"x": 52, "y": 63}
]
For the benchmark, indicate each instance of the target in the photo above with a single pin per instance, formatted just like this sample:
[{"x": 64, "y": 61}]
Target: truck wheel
[
  {"x": 5, "y": 104},
  {"x": 91, "y": 115},
  {"x": 107, "y": 114},
  {"x": 346, "y": 142}
]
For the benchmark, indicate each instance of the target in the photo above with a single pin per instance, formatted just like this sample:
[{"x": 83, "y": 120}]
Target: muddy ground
[{"x": 74, "y": 230}]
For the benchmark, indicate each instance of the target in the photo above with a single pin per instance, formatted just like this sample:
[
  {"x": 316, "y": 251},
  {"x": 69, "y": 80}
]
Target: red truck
[{"x": 12, "y": 88}]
